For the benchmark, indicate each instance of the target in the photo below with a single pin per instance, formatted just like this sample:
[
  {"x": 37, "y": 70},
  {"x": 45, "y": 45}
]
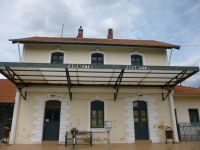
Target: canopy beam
[
  {"x": 69, "y": 83},
  {"x": 169, "y": 88},
  {"x": 118, "y": 83},
  {"x": 11, "y": 75},
  {"x": 23, "y": 95}
]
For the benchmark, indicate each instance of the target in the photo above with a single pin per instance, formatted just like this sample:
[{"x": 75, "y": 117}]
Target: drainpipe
[
  {"x": 14, "y": 119},
  {"x": 173, "y": 119}
]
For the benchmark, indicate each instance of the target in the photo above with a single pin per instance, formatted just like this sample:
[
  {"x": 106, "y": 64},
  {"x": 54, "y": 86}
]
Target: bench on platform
[{"x": 83, "y": 136}]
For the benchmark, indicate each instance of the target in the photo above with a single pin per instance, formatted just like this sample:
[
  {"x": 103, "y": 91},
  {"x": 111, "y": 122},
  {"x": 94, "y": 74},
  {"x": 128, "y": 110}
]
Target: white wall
[
  {"x": 81, "y": 54},
  {"x": 29, "y": 126},
  {"x": 183, "y": 103}
]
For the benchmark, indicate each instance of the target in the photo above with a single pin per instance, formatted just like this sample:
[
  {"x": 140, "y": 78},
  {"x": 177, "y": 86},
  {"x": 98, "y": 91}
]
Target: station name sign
[
  {"x": 91, "y": 66},
  {"x": 130, "y": 67}
]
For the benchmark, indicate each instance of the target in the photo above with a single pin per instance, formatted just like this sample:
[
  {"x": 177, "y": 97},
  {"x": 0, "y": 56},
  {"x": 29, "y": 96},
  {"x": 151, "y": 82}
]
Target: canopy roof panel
[
  {"x": 86, "y": 74},
  {"x": 25, "y": 74}
]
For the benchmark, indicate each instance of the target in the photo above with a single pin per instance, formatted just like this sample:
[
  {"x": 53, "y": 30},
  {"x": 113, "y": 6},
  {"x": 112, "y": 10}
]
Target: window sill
[{"x": 98, "y": 130}]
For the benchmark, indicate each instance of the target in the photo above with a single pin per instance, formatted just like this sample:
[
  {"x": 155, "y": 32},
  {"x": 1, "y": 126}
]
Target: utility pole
[
  {"x": 62, "y": 30},
  {"x": 20, "y": 59}
]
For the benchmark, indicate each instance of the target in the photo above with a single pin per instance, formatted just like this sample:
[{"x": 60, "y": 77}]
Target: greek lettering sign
[
  {"x": 90, "y": 66},
  {"x": 108, "y": 124},
  {"x": 137, "y": 67}
]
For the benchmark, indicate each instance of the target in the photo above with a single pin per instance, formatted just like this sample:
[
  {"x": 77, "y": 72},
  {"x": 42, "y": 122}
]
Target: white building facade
[{"x": 83, "y": 82}]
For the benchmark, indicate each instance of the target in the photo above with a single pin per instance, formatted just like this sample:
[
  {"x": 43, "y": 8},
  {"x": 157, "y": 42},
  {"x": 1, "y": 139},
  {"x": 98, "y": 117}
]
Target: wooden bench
[{"x": 81, "y": 136}]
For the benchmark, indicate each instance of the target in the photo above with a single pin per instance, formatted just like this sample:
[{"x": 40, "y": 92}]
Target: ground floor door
[
  {"x": 6, "y": 113},
  {"x": 140, "y": 120},
  {"x": 51, "y": 120}
]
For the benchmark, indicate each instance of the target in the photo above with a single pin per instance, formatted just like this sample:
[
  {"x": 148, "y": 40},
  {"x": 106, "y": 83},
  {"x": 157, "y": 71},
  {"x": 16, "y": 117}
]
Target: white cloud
[
  {"x": 47, "y": 16},
  {"x": 8, "y": 52},
  {"x": 21, "y": 18},
  {"x": 194, "y": 9},
  {"x": 191, "y": 60},
  {"x": 2, "y": 77},
  {"x": 193, "y": 81}
]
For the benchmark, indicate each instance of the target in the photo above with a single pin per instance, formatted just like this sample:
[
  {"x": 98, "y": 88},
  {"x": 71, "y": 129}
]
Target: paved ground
[{"x": 136, "y": 146}]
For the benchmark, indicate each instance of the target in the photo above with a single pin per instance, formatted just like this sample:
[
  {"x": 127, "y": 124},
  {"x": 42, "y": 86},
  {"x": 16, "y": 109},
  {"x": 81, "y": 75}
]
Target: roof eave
[
  {"x": 7, "y": 101},
  {"x": 186, "y": 94},
  {"x": 91, "y": 43}
]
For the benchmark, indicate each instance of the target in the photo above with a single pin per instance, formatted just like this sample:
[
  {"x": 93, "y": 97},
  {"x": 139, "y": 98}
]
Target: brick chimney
[
  {"x": 80, "y": 32},
  {"x": 110, "y": 34}
]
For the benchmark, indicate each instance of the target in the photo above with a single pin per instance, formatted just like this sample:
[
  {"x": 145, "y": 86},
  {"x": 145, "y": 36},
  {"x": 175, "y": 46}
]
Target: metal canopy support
[
  {"x": 144, "y": 78},
  {"x": 117, "y": 84},
  {"x": 169, "y": 87},
  {"x": 12, "y": 76},
  {"x": 69, "y": 84},
  {"x": 22, "y": 94}
]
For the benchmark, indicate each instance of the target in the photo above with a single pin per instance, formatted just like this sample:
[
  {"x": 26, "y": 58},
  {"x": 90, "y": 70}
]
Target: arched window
[
  {"x": 97, "y": 58},
  {"x": 136, "y": 60},
  {"x": 57, "y": 58},
  {"x": 97, "y": 114}
]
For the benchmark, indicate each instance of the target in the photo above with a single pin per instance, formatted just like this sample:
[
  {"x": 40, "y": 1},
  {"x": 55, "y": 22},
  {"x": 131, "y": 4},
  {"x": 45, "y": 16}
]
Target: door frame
[
  {"x": 38, "y": 121},
  {"x": 148, "y": 123},
  {"x": 45, "y": 108}
]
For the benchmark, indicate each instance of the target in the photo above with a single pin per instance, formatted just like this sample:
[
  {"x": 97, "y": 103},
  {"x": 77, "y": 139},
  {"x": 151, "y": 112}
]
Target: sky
[{"x": 176, "y": 22}]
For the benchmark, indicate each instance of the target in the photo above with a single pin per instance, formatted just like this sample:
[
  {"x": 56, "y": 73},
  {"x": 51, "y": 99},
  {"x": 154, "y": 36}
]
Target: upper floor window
[
  {"x": 97, "y": 58},
  {"x": 194, "y": 115},
  {"x": 136, "y": 60},
  {"x": 97, "y": 114},
  {"x": 57, "y": 58}
]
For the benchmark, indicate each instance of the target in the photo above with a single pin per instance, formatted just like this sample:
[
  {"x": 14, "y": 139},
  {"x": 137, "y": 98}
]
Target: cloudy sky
[{"x": 171, "y": 21}]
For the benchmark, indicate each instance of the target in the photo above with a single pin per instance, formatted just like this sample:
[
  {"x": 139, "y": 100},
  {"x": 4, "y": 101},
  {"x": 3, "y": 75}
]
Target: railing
[
  {"x": 189, "y": 131},
  {"x": 1, "y": 129}
]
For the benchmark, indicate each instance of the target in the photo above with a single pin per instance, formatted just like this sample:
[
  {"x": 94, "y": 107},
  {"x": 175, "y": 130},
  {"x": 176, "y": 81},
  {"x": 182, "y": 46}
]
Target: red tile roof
[
  {"x": 95, "y": 41},
  {"x": 7, "y": 91},
  {"x": 183, "y": 90}
]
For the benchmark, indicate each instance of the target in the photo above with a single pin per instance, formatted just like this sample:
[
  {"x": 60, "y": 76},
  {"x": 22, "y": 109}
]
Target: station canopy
[{"x": 26, "y": 74}]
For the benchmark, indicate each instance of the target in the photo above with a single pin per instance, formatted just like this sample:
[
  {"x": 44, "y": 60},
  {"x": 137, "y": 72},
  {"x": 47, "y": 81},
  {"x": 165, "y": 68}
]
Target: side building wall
[{"x": 183, "y": 103}]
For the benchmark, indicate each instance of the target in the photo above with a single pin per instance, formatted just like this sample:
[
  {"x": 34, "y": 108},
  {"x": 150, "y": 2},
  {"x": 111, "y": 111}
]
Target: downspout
[
  {"x": 170, "y": 56},
  {"x": 16, "y": 108},
  {"x": 14, "y": 119},
  {"x": 173, "y": 118}
]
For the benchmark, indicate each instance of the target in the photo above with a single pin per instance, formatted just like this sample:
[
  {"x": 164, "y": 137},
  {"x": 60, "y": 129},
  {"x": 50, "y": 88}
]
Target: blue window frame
[
  {"x": 97, "y": 58},
  {"x": 136, "y": 60},
  {"x": 194, "y": 115},
  {"x": 57, "y": 58},
  {"x": 97, "y": 114}
]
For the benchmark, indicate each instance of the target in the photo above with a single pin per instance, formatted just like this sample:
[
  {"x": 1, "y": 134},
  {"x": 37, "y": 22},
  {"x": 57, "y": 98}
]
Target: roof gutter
[
  {"x": 92, "y": 43},
  {"x": 186, "y": 94}
]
